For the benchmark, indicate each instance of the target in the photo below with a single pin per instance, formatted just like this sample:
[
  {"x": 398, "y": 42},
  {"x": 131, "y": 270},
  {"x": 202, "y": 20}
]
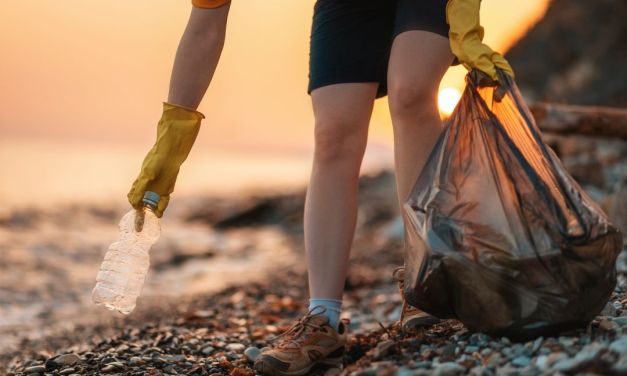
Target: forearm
[{"x": 197, "y": 56}]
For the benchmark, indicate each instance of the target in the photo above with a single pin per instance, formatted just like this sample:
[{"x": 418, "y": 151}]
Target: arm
[
  {"x": 198, "y": 54},
  {"x": 196, "y": 60}
]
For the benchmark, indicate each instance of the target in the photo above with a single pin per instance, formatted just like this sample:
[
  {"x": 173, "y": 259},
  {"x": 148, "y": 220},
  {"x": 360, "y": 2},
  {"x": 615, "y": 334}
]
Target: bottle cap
[{"x": 151, "y": 198}]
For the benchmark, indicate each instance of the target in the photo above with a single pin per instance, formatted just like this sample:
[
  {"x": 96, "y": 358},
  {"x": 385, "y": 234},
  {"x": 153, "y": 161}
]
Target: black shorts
[{"x": 351, "y": 39}]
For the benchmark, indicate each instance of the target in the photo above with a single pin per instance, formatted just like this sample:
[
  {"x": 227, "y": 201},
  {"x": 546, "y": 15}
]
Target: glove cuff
[{"x": 182, "y": 112}]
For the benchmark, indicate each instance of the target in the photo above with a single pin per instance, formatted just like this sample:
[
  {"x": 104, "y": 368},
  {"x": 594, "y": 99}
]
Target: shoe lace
[{"x": 294, "y": 336}]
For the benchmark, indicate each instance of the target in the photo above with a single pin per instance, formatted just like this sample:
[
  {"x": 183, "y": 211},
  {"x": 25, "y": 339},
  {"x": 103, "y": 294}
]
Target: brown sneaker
[
  {"x": 309, "y": 342},
  {"x": 411, "y": 318}
]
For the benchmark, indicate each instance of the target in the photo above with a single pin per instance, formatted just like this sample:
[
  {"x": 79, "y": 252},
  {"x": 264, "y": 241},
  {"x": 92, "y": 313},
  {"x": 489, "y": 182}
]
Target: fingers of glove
[
  {"x": 135, "y": 195},
  {"x": 499, "y": 61},
  {"x": 163, "y": 204}
]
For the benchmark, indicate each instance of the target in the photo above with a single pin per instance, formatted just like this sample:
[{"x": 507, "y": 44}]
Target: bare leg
[
  {"x": 342, "y": 115},
  {"x": 418, "y": 61},
  {"x": 197, "y": 56}
]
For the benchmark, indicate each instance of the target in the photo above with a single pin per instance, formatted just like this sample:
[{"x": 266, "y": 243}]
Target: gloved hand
[
  {"x": 466, "y": 36},
  {"x": 176, "y": 133}
]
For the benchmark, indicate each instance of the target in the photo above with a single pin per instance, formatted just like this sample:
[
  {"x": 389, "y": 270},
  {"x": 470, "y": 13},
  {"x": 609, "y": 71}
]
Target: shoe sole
[{"x": 266, "y": 369}]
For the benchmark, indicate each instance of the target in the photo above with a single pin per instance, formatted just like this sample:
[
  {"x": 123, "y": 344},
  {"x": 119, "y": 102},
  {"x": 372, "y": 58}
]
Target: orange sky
[{"x": 98, "y": 70}]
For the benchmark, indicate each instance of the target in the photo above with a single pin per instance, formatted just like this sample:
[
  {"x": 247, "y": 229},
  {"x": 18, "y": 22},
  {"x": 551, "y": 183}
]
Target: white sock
[{"x": 333, "y": 309}]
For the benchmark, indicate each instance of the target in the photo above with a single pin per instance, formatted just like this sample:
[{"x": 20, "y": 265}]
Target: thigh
[
  {"x": 418, "y": 61},
  {"x": 350, "y": 42},
  {"x": 344, "y": 109}
]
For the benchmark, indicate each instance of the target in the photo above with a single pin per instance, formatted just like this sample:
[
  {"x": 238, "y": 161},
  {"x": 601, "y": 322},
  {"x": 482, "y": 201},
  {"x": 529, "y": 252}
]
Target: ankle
[{"x": 332, "y": 310}]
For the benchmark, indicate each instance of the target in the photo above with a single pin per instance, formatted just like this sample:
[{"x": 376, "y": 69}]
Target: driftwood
[{"x": 583, "y": 120}]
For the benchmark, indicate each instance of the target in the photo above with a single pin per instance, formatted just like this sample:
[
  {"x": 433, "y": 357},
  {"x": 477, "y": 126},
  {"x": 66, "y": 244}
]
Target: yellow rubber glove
[
  {"x": 176, "y": 133},
  {"x": 466, "y": 38}
]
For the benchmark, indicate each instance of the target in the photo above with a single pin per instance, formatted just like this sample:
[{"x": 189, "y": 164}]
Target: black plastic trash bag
[{"x": 498, "y": 234}]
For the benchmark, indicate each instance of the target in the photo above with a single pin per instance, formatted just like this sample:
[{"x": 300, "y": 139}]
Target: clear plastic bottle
[{"x": 125, "y": 265}]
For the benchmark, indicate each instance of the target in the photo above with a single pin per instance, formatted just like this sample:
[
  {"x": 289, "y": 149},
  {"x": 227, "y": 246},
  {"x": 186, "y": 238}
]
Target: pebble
[
  {"x": 67, "y": 359},
  {"x": 402, "y": 371},
  {"x": 542, "y": 361},
  {"x": 208, "y": 350},
  {"x": 521, "y": 361},
  {"x": 620, "y": 320},
  {"x": 67, "y": 371},
  {"x": 136, "y": 361},
  {"x": 383, "y": 349},
  {"x": 449, "y": 369},
  {"x": 608, "y": 325},
  {"x": 537, "y": 344},
  {"x": 35, "y": 369},
  {"x": 109, "y": 368},
  {"x": 569, "y": 365},
  {"x": 555, "y": 357},
  {"x": 619, "y": 346},
  {"x": 252, "y": 353},
  {"x": 236, "y": 347},
  {"x": 478, "y": 339}
]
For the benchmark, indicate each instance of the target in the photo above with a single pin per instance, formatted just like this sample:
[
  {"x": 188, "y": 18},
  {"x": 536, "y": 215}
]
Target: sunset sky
[
  {"x": 101, "y": 68},
  {"x": 95, "y": 72}
]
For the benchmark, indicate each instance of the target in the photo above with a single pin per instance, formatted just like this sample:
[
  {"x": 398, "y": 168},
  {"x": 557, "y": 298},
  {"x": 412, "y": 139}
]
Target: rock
[
  {"x": 521, "y": 361},
  {"x": 555, "y": 357},
  {"x": 565, "y": 365},
  {"x": 449, "y": 369},
  {"x": 332, "y": 371},
  {"x": 136, "y": 361},
  {"x": 67, "y": 371},
  {"x": 383, "y": 349},
  {"x": 620, "y": 320},
  {"x": 607, "y": 325},
  {"x": 537, "y": 344},
  {"x": 495, "y": 359},
  {"x": 252, "y": 353},
  {"x": 425, "y": 364},
  {"x": 478, "y": 339},
  {"x": 619, "y": 346},
  {"x": 35, "y": 369},
  {"x": 178, "y": 358},
  {"x": 471, "y": 349},
  {"x": 235, "y": 347},
  {"x": 109, "y": 368},
  {"x": 208, "y": 350},
  {"x": 542, "y": 362},
  {"x": 403, "y": 371},
  {"x": 584, "y": 357},
  {"x": 67, "y": 359}
]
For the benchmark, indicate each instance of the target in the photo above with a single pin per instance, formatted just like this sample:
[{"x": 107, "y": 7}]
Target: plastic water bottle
[{"x": 125, "y": 265}]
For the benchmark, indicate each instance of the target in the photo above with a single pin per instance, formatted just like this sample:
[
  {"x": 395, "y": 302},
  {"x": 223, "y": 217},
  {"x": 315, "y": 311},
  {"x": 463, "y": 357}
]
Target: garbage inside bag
[{"x": 498, "y": 234}]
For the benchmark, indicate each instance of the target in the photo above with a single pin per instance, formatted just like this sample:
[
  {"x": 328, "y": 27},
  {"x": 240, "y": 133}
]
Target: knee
[
  {"x": 338, "y": 142},
  {"x": 415, "y": 100}
]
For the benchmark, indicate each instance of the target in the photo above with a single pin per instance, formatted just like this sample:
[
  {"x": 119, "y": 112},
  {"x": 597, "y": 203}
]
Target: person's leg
[
  {"x": 342, "y": 114},
  {"x": 418, "y": 61},
  {"x": 197, "y": 55}
]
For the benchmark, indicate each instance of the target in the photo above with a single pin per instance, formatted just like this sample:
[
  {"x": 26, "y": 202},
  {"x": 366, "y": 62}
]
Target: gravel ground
[{"x": 219, "y": 333}]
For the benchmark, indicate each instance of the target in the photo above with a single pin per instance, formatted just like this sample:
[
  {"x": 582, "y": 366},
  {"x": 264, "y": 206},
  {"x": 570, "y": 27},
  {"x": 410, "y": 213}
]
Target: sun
[{"x": 447, "y": 100}]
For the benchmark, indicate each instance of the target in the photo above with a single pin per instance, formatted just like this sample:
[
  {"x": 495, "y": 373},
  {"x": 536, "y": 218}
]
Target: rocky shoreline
[{"x": 218, "y": 332}]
